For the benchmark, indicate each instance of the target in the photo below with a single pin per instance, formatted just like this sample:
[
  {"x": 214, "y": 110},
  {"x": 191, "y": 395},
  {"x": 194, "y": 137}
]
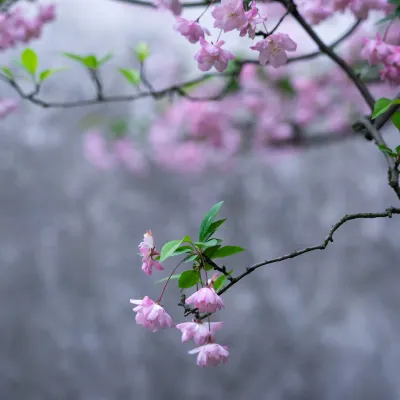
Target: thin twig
[{"x": 329, "y": 239}]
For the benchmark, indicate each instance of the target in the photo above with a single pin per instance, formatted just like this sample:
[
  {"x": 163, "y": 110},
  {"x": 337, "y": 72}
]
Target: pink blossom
[
  {"x": 200, "y": 332},
  {"x": 151, "y": 315},
  {"x": 229, "y": 15},
  {"x": 211, "y": 354},
  {"x": 172, "y": 5},
  {"x": 273, "y": 49},
  {"x": 97, "y": 152},
  {"x": 47, "y": 13},
  {"x": 391, "y": 74},
  {"x": 375, "y": 51},
  {"x": 252, "y": 19},
  {"x": 316, "y": 11},
  {"x": 126, "y": 153},
  {"x": 211, "y": 55},
  {"x": 7, "y": 106},
  {"x": 148, "y": 251},
  {"x": 206, "y": 300},
  {"x": 191, "y": 30}
]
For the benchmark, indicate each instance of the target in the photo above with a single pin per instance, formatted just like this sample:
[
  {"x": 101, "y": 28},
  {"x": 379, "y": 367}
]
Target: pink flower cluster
[
  {"x": 229, "y": 16},
  {"x": 16, "y": 28},
  {"x": 380, "y": 52},
  {"x": 152, "y": 315},
  {"x": 317, "y": 11},
  {"x": 108, "y": 155}
]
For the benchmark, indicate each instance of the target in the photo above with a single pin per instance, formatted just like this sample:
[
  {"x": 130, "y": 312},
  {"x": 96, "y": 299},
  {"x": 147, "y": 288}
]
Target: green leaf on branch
[
  {"x": 30, "y": 61},
  {"x": 208, "y": 220},
  {"x": 47, "y": 73},
  {"x": 104, "y": 59},
  {"x": 191, "y": 258},
  {"x": 396, "y": 120},
  {"x": 169, "y": 248},
  {"x": 382, "y": 105},
  {"x": 219, "y": 282},
  {"x": 227, "y": 251},
  {"x": 89, "y": 61},
  {"x": 210, "y": 243},
  {"x": 210, "y": 251},
  {"x": 398, "y": 149},
  {"x": 142, "y": 51},
  {"x": 131, "y": 75},
  {"x": 183, "y": 250},
  {"x": 7, "y": 72},
  {"x": 188, "y": 279},
  {"x": 213, "y": 227},
  {"x": 175, "y": 276},
  {"x": 387, "y": 150}
]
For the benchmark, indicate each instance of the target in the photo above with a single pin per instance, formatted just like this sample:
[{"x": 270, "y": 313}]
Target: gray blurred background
[{"x": 321, "y": 326}]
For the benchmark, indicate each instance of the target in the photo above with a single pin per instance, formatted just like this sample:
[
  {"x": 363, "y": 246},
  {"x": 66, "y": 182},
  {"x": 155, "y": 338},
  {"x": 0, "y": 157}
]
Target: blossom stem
[{"x": 166, "y": 283}]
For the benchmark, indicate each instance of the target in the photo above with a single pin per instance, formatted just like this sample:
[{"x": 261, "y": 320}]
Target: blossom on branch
[
  {"x": 211, "y": 354},
  {"x": 212, "y": 55},
  {"x": 191, "y": 30},
  {"x": 151, "y": 315},
  {"x": 229, "y": 15},
  {"x": 200, "y": 332},
  {"x": 206, "y": 300},
  {"x": 273, "y": 49},
  {"x": 148, "y": 251}
]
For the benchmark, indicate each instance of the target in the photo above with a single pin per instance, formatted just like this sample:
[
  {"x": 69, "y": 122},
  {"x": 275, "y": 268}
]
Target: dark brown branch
[
  {"x": 388, "y": 213},
  {"x": 330, "y": 53}
]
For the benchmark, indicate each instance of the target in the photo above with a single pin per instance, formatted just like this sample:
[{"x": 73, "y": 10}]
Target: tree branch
[
  {"x": 330, "y": 53},
  {"x": 388, "y": 213}
]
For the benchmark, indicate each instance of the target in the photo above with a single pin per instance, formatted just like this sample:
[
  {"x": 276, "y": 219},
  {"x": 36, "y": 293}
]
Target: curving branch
[
  {"x": 388, "y": 213},
  {"x": 291, "y": 6}
]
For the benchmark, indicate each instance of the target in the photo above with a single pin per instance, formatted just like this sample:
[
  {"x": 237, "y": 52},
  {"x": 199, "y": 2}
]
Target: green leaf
[
  {"x": 131, "y": 75},
  {"x": 213, "y": 227},
  {"x": 142, "y": 51},
  {"x": 187, "y": 239},
  {"x": 210, "y": 251},
  {"x": 398, "y": 149},
  {"x": 219, "y": 282},
  {"x": 387, "y": 150},
  {"x": 191, "y": 258},
  {"x": 119, "y": 127},
  {"x": 210, "y": 243},
  {"x": 48, "y": 72},
  {"x": 75, "y": 57},
  {"x": 183, "y": 250},
  {"x": 176, "y": 276},
  {"x": 30, "y": 61},
  {"x": 285, "y": 85},
  {"x": 91, "y": 62},
  {"x": 208, "y": 220},
  {"x": 227, "y": 251},
  {"x": 7, "y": 72},
  {"x": 169, "y": 248},
  {"x": 104, "y": 59},
  {"x": 396, "y": 120},
  {"x": 188, "y": 279},
  {"x": 381, "y": 106}
]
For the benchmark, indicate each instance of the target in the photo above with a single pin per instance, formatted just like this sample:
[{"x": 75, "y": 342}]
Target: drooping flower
[
  {"x": 252, "y": 19},
  {"x": 206, "y": 300},
  {"x": 191, "y": 30},
  {"x": 151, "y": 315},
  {"x": 229, "y": 15},
  {"x": 212, "y": 55},
  {"x": 148, "y": 251},
  {"x": 200, "y": 332},
  {"x": 273, "y": 49},
  {"x": 375, "y": 51},
  {"x": 211, "y": 354}
]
